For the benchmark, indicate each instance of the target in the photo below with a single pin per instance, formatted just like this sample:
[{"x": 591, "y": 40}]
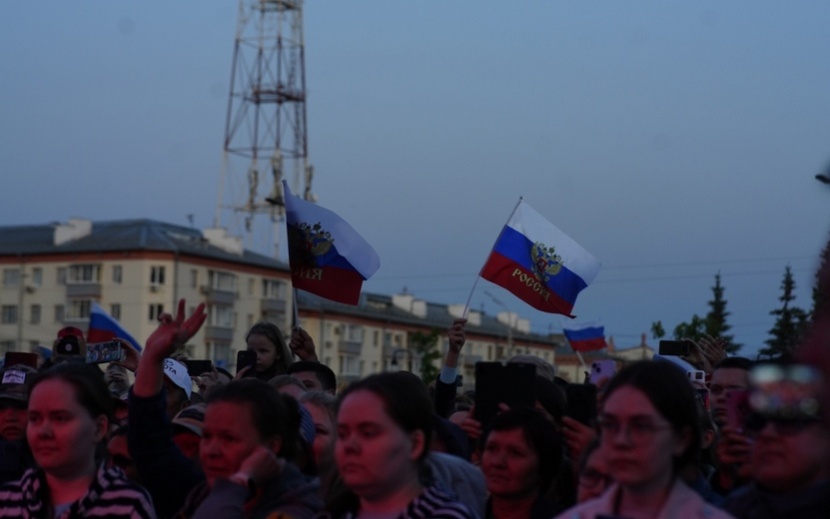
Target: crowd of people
[{"x": 282, "y": 439}]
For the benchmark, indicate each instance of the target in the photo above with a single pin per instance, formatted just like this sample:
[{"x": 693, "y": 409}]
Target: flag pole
[
  {"x": 296, "y": 323},
  {"x": 467, "y": 306},
  {"x": 582, "y": 361}
]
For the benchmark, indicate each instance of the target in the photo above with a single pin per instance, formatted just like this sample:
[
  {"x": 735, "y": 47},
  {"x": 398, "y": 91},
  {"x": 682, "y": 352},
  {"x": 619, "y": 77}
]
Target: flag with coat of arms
[
  {"x": 538, "y": 263},
  {"x": 326, "y": 255}
]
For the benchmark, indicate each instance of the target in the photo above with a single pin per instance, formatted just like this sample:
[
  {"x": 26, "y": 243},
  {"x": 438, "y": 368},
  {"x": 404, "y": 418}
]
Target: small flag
[
  {"x": 102, "y": 328},
  {"x": 538, "y": 263},
  {"x": 327, "y": 256},
  {"x": 588, "y": 338}
]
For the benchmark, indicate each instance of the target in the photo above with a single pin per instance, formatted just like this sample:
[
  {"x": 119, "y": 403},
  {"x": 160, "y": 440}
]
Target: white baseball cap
[{"x": 177, "y": 373}]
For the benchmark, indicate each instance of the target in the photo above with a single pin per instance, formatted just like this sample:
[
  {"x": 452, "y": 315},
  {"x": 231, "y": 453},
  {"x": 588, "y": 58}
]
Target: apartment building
[
  {"x": 378, "y": 334},
  {"x": 135, "y": 269}
]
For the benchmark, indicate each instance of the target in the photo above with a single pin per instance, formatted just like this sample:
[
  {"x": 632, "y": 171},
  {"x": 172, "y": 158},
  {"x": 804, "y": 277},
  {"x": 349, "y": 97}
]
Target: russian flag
[
  {"x": 538, "y": 263},
  {"x": 102, "y": 328},
  {"x": 327, "y": 256},
  {"x": 588, "y": 338}
]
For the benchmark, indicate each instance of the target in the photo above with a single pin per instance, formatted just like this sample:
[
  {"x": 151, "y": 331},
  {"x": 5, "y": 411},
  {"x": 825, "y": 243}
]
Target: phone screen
[
  {"x": 245, "y": 358},
  {"x": 513, "y": 384},
  {"x": 582, "y": 403},
  {"x": 102, "y": 352},
  {"x": 737, "y": 407},
  {"x": 197, "y": 367}
]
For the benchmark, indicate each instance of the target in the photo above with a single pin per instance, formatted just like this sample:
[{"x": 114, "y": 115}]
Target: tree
[
  {"x": 713, "y": 324},
  {"x": 820, "y": 295},
  {"x": 426, "y": 346},
  {"x": 790, "y": 322},
  {"x": 657, "y": 330}
]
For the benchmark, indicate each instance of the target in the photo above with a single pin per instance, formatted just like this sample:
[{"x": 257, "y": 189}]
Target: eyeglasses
[
  {"x": 591, "y": 478},
  {"x": 756, "y": 422},
  {"x": 639, "y": 430}
]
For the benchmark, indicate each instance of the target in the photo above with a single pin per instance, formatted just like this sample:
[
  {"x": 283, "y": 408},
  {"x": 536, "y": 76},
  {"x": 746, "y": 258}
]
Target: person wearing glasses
[
  {"x": 649, "y": 430},
  {"x": 593, "y": 478},
  {"x": 790, "y": 454}
]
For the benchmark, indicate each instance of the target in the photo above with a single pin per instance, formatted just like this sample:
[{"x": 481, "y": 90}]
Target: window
[
  {"x": 222, "y": 281},
  {"x": 375, "y": 338},
  {"x": 78, "y": 309},
  {"x": 273, "y": 289},
  {"x": 354, "y": 333},
  {"x": 11, "y": 277},
  {"x": 250, "y": 322},
  {"x": 349, "y": 365},
  {"x": 221, "y": 354},
  {"x": 61, "y": 278},
  {"x": 155, "y": 311},
  {"x": 8, "y": 314},
  {"x": 115, "y": 311},
  {"x": 6, "y": 346},
  {"x": 84, "y": 274},
  {"x": 59, "y": 313},
  {"x": 37, "y": 276},
  {"x": 34, "y": 314},
  {"x": 157, "y": 275},
  {"x": 194, "y": 278},
  {"x": 251, "y": 285},
  {"x": 117, "y": 274},
  {"x": 220, "y": 315}
]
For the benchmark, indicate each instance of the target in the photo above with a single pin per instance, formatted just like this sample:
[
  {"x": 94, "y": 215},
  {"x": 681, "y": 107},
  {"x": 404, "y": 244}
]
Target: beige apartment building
[{"x": 137, "y": 269}]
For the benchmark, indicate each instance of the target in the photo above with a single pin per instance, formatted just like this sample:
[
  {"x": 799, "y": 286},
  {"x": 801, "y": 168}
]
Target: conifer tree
[
  {"x": 713, "y": 324},
  {"x": 790, "y": 322}
]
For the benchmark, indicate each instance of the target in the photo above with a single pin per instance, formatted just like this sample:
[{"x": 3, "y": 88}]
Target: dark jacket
[
  {"x": 165, "y": 471},
  {"x": 751, "y": 501},
  {"x": 292, "y": 494}
]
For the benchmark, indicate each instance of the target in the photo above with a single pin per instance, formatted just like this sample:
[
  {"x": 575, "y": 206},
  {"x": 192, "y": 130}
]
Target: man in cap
[{"x": 15, "y": 456}]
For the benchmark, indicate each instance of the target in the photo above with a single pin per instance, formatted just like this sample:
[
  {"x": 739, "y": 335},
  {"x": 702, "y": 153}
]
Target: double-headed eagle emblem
[
  {"x": 546, "y": 262},
  {"x": 308, "y": 242}
]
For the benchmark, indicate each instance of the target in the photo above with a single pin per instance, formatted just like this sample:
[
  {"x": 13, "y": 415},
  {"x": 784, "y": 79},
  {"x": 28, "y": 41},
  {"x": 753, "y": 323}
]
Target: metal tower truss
[{"x": 265, "y": 127}]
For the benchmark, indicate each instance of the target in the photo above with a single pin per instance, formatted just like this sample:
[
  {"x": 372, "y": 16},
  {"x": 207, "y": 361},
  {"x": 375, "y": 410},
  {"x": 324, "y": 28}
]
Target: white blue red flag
[
  {"x": 327, "y": 256},
  {"x": 538, "y": 263},
  {"x": 587, "y": 338},
  {"x": 103, "y": 327}
]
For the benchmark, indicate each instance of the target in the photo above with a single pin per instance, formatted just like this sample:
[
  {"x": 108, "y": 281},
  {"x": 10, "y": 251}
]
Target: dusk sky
[{"x": 673, "y": 140}]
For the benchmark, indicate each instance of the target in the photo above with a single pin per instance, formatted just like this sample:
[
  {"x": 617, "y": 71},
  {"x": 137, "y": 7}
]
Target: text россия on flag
[
  {"x": 538, "y": 263},
  {"x": 327, "y": 256}
]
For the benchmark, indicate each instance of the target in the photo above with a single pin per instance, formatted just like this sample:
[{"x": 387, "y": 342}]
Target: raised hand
[
  {"x": 302, "y": 345},
  {"x": 172, "y": 333}
]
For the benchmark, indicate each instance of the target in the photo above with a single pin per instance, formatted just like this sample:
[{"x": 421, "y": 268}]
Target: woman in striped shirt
[{"x": 69, "y": 415}]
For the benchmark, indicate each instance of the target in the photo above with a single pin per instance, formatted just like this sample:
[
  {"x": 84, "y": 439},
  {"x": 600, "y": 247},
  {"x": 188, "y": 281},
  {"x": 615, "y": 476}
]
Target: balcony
[
  {"x": 273, "y": 309},
  {"x": 83, "y": 290},
  {"x": 349, "y": 347},
  {"x": 217, "y": 297},
  {"x": 218, "y": 334}
]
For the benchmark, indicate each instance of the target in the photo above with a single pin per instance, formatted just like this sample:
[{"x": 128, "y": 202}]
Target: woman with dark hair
[
  {"x": 272, "y": 353},
  {"x": 248, "y": 445},
  {"x": 649, "y": 431},
  {"x": 384, "y": 429},
  {"x": 521, "y": 457},
  {"x": 69, "y": 411}
]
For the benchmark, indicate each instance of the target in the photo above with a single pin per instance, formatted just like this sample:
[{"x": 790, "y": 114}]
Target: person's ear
[
  {"x": 418, "y": 439},
  {"x": 275, "y": 444},
  {"x": 102, "y": 424},
  {"x": 708, "y": 438},
  {"x": 683, "y": 440}
]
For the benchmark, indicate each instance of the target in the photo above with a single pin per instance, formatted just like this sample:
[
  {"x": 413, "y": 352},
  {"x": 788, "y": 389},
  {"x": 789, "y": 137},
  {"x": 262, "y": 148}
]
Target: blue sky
[{"x": 672, "y": 140}]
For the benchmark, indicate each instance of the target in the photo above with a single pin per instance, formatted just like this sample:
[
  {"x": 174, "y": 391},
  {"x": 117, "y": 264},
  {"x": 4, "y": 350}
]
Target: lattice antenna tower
[{"x": 265, "y": 129}]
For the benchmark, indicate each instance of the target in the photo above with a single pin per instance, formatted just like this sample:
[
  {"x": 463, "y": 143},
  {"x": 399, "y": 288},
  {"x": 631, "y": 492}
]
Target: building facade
[{"x": 139, "y": 269}]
